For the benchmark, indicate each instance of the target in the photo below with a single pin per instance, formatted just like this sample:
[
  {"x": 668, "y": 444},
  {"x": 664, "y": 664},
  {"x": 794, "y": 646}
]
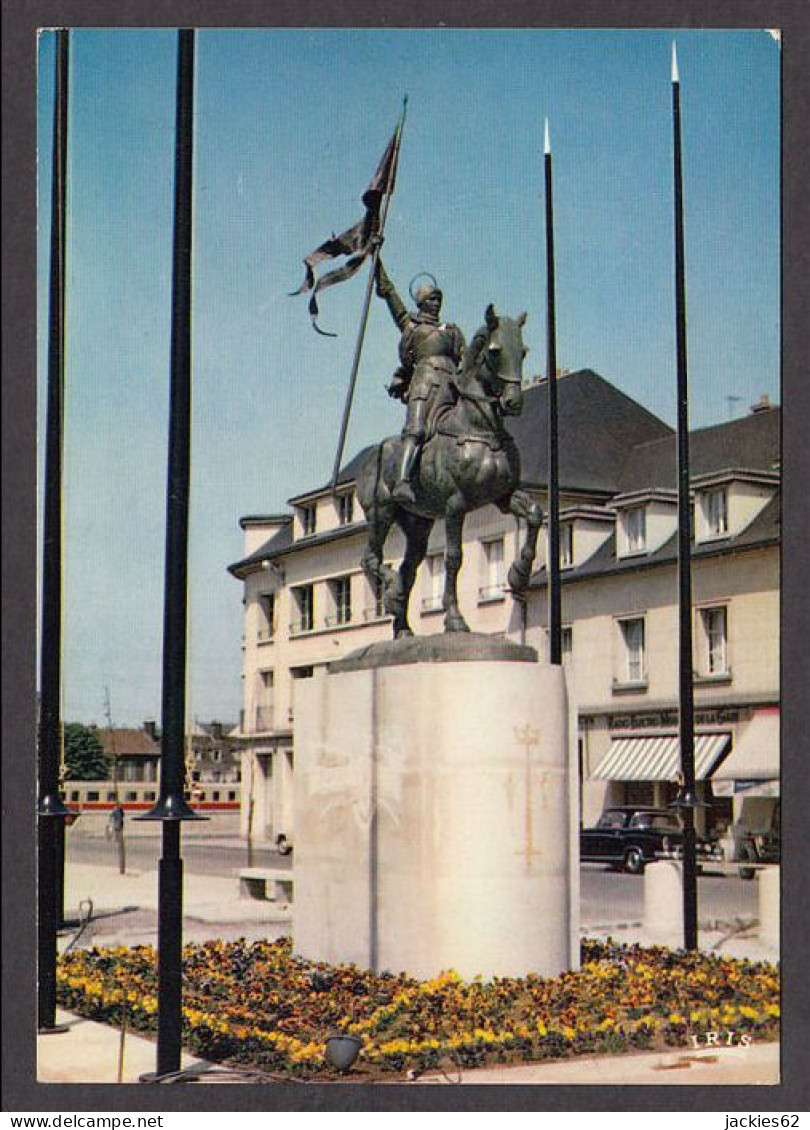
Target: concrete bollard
[
  {"x": 663, "y": 901},
  {"x": 768, "y": 879}
]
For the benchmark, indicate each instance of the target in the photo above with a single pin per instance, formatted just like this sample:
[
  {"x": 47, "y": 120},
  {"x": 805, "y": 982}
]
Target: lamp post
[
  {"x": 686, "y": 801},
  {"x": 51, "y": 811},
  {"x": 171, "y": 807},
  {"x": 554, "y": 598}
]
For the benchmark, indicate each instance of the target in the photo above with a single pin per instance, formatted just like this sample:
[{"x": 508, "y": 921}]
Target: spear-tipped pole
[
  {"x": 51, "y": 810},
  {"x": 171, "y": 807},
  {"x": 361, "y": 333},
  {"x": 554, "y": 601},
  {"x": 686, "y": 800}
]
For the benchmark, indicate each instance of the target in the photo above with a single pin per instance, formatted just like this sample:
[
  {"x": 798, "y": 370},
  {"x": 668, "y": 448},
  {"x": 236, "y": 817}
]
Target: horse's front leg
[
  {"x": 454, "y": 525},
  {"x": 380, "y": 519},
  {"x": 522, "y": 505},
  {"x": 417, "y": 532}
]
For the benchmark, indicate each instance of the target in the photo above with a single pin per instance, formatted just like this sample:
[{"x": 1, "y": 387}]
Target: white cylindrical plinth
[
  {"x": 433, "y": 826},
  {"x": 768, "y": 880},
  {"x": 663, "y": 900}
]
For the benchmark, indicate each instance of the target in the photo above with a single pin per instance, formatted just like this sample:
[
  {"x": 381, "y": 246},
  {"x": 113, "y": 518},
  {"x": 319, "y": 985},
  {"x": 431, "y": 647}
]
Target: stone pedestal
[
  {"x": 768, "y": 880},
  {"x": 663, "y": 902},
  {"x": 433, "y": 819}
]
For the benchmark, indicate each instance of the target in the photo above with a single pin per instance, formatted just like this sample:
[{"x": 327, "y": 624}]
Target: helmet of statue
[{"x": 423, "y": 293}]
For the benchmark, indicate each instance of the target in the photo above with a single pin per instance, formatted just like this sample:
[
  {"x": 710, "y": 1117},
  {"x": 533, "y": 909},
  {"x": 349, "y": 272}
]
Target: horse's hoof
[
  {"x": 456, "y": 624},
  {"x": 403, "y": 634}
]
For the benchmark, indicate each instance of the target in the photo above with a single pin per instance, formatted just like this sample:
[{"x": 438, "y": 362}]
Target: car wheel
[
  {"x": 748, "y": 852},
  {"x": 634, "y": 861}
]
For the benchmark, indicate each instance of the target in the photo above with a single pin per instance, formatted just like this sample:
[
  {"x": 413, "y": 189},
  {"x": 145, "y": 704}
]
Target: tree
[{"x": 85, "y": 759}]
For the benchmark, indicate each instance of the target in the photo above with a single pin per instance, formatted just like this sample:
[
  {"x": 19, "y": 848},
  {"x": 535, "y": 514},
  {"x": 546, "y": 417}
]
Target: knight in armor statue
[{"x": 430, "y": 353}]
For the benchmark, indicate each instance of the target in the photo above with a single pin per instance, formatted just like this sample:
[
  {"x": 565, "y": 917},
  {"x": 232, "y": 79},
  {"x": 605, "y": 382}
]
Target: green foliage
[{"x": 85, "y": 759}]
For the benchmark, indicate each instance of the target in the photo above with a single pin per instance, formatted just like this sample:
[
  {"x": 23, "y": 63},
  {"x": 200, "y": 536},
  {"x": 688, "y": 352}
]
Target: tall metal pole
[
  {"x": 171, "y": 806},
  {"x": 51, "y": 810},
  {"x": 361, "y": 333},
  {"x": 687, "y": 799},
  {"x": 554, "y": 599}
]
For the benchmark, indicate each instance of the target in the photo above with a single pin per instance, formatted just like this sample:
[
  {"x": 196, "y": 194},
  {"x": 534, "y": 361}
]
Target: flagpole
[
  {"x": 171, "y": 807},
  {"x": 51, "y": 810},
  {"x": 554, "y": 601},
  {"x": 686, "y": 801},
  {"x": 347, "y": 408}
]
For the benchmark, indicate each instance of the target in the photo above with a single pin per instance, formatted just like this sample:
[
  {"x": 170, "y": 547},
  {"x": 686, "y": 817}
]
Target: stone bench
[{"x": 263, "y": 883}]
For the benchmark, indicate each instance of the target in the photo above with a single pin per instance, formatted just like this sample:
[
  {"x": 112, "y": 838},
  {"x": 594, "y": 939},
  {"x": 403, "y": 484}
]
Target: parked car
[
  {"x": 756, "y": 837},
  {"x": 630, "y": 837}
]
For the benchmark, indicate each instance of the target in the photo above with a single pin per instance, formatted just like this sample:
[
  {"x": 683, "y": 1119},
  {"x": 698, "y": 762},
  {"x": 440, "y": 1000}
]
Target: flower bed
[{"x": 255, "y": 1003}]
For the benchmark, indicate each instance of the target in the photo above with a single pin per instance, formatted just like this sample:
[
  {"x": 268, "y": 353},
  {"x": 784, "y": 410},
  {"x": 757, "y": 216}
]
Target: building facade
[{"x": 307, "y": 602}]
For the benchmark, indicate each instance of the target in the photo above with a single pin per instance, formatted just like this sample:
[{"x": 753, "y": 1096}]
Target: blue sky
[{"x": 289, "y": 128}]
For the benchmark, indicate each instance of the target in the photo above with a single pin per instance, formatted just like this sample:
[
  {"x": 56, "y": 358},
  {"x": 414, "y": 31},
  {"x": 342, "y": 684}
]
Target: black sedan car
[{"x": 631, "y": 837}]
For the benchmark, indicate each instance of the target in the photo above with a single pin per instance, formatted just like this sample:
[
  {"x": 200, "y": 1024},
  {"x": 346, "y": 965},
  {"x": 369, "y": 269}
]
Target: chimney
[
  {"x": 762, "y": 405},
  {"x": 151, "y": 729},
  {"x": 216, "y": 731}
]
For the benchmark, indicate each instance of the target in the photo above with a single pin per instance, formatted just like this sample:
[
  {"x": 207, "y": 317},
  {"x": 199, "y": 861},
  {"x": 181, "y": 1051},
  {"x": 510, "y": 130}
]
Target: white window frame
[
  {"x": 267, "y": 617},
  {"x": 566, "y": 545},
  {"x": 432, "y": 601},
  {"x": 715, "y": 512},
  {"x": 308, "y": 516},
  {"x": 342, "y": 600},
  {"x": 633, "y": 658},
  {"x": 304, "y": 603},
  {"x": 345, "y": 507},
  {"x": 494, "y": 553},
  {"x": 714, "y": 632},
  {"x": 634, "y": 540}
]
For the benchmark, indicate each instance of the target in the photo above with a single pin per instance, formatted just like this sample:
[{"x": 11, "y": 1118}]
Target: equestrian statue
[{"x": 454, "y": 454}]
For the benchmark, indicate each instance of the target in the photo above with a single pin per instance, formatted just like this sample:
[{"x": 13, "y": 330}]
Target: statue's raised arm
[
  {"x": 430, "y": 353},
  {"x": 387, "y": 290}
]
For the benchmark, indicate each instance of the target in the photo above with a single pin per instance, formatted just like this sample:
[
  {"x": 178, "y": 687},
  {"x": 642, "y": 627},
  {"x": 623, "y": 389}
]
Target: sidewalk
[
  {"x": 89, "y": 1053},
  {"x": 123, "y": 909}
]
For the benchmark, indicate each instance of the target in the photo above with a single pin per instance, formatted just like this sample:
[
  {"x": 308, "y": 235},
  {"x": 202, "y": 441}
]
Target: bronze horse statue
[{"x": 469, "y": 460}]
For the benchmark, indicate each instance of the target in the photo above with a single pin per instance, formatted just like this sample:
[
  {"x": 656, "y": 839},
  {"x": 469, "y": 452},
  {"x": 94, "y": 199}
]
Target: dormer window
[
  {"x": 715, "y": 505},
  {"x": 634, "y": 530},
  {"x": 345, "y": 508},
  {"x": 566, "y": 545},
  {"x": 309, "y": 517}
]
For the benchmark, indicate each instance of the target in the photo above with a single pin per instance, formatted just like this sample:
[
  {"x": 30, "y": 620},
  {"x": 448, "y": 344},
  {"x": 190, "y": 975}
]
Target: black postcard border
[{"x": 20, "y": 19}]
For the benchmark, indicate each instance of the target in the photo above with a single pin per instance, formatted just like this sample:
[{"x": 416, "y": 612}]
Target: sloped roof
[
  {"x": 597, "y": 424},
  {"x": 127, "y": 743},
  {"x": 608, "y": 444},
  {"x": 752, "y": 442},
  {"x": 764, "y": 530}
]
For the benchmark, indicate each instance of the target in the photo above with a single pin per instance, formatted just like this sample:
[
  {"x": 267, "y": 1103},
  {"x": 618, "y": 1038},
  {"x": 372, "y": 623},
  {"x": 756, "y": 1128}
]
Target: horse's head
[{"x": 501, "y": 360}]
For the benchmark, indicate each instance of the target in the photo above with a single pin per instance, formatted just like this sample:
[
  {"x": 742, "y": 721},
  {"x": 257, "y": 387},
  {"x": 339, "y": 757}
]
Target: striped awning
[{"x": 658, "y": 758}]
